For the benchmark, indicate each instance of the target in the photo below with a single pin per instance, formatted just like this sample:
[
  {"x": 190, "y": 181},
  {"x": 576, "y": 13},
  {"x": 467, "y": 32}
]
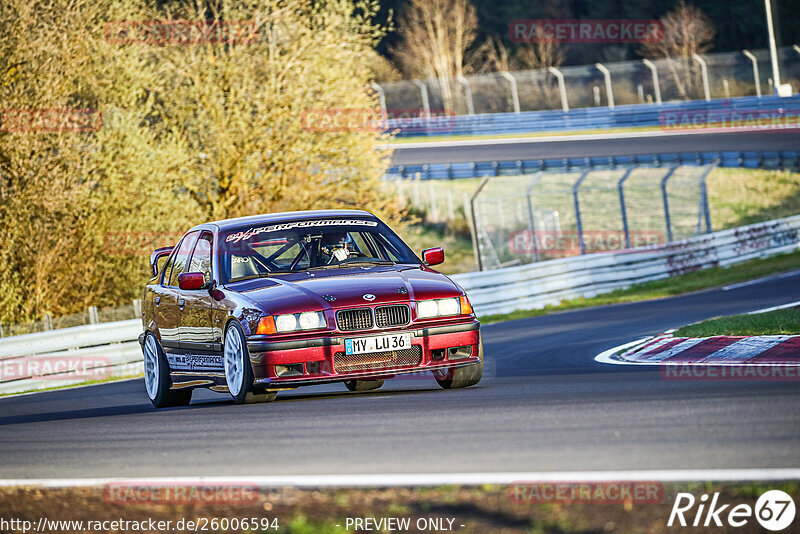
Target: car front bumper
[{"x": 319, "y": 360}]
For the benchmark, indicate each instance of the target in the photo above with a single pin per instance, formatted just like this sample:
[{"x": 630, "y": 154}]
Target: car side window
[
  {"x": 180, "y": 260},
  {"x": 201, "y": 257}
]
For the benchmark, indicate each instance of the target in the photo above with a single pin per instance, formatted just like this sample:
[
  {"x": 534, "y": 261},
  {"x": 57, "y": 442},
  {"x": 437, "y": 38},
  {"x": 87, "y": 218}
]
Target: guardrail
[
  {"x": 37, "y": 361},
  {"x": 553, "y": 281},
  {"x": 787, "y": 160},
  {"x": 70, "y": 355},
  {"x": 671, "y": 116}
]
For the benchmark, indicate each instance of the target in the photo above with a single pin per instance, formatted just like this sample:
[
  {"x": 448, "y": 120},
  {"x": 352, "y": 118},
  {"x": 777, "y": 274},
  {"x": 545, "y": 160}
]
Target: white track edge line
[{"x": 433, "y": 479}]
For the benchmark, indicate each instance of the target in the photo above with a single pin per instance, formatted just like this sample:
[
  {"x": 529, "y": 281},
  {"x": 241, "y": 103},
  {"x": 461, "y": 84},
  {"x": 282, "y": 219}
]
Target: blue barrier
[
  {"x": 787, "y": 160},
  {"x": 669, "y": 115}
]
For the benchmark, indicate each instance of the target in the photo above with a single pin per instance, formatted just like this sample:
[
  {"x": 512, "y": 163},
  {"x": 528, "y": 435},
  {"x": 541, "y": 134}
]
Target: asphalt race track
[
  {"x": 430, "y": 151},
  {"x": 544, "y": 406}
]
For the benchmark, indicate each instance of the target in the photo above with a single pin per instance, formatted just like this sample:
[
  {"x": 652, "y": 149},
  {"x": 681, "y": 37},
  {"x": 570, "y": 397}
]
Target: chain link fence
[
  {"x": 520, "y": 219},
  {"x": 729, "y": 74}
]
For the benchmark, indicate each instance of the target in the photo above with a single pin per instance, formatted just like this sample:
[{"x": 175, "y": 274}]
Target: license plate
[{"x": 384, "y": 343}]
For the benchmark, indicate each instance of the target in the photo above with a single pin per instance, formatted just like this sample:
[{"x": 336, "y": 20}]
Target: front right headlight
[{"x": 438, "y": 308}]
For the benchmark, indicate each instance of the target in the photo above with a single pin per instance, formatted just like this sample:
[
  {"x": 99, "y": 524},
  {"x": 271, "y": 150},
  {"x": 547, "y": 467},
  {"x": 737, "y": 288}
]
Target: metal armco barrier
[
  {"x": 70, "y": 355},
  {"x": 110, "y": 348},
  {"x": 551, "y": 282},
  {"x": 671, "y": 116},
  {"x": 787, "y": 160}
]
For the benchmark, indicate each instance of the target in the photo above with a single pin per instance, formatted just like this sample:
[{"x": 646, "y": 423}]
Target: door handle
[
  {"x": 181, "y": 303},
  {"x": 158, "y": 301}
]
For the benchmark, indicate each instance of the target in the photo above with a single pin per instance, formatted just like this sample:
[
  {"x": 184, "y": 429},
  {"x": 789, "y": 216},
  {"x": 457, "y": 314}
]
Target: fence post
[
  {"x": 607, "y": 78},
  {"x": 575, "y": 200},
  {"x": 1, "y": 328},
  {"x": 656, "y": 87},
  {"x": 665, "y": 200},
  {"x": 562, "y": 88},
  {"x": 381, "y": 98},
  {"x": 620, "y": 189},
  {"x": 514, "y": 94},
  {"x": 451, "y": 214},
  {"x": 467, "y": 94},
  {"x": 432, "y": 202},
  {"x": 423, "y": 91},
  {"x": 137, "y": 307},
  {"x": 93, "y": 318},
  {"x": 704, "y": 196},
  {"x": 756, "y": 77},
  {"x": 476, "y": 246},
  {"x": 48, "y": 321},
  {"x": 704, "y": 73},
  {"x": 531, "y": 220}
]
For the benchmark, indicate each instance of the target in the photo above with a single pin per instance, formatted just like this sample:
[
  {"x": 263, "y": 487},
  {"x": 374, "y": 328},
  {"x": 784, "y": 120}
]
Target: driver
[{"x": 336, "y": 246}]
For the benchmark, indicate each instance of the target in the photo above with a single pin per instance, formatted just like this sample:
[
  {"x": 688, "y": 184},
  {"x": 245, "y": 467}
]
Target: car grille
[
  {"x": 397, "y": 315},
  {"x": 357, "y": 319},
  {"x": 377, "y": 360}
]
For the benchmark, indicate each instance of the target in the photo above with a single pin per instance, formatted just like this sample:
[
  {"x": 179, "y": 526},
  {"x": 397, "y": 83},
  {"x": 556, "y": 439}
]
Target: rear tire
[
  {"x": 157, "y": 381},
  {"x": 461, "y": 377},
  {"x": 363, "y": 385}
]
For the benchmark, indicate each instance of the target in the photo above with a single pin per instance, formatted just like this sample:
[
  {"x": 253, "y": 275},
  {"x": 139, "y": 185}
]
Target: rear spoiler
[{"x": 158, "y": 253}]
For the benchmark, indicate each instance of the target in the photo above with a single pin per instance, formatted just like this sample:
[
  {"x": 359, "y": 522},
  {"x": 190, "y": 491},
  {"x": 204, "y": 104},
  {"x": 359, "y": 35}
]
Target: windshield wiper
[
  {"x": 260, "y": 275},
  {"x": 355, "y": 263}
]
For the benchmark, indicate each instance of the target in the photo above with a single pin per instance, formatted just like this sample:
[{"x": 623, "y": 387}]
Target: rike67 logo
[{"x": 774, "y": 511}]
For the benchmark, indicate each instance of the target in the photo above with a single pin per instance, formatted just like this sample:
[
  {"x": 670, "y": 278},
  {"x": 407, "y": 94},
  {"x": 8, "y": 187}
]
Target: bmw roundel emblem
[{"x": 369, "y": 297}]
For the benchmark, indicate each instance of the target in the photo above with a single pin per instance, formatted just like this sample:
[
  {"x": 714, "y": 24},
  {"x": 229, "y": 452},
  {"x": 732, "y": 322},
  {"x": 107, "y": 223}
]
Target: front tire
[
  {"x": 461, "y": 377},
  {"x": 157, "y": 381},
  {"x": 238, "y": 371},
  {"x": 363, "y": 385}
]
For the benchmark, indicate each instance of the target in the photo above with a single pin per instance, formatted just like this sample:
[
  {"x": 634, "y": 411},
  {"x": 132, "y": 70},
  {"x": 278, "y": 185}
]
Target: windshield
[{"x": 255, "y": 251}]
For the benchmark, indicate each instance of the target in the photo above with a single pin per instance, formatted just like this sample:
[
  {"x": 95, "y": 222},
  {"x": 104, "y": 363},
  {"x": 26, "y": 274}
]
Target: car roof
[{"x": 286, "y": 216}]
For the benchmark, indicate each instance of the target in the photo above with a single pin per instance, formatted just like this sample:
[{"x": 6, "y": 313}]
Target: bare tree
[
  {"x": 687, "y": 31},
  {"x": 435, "y": 37}
]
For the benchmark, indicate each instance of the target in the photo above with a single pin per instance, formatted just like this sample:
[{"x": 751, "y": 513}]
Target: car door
[
  {"x": 196, "y": 330},
  {"x": 167, "y": 311}
]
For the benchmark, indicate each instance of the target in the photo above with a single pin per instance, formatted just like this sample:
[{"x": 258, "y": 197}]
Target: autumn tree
[
  {"x": 435, "y": 36},
  {"x": 192, "y": 129},
  {"x": 687, "y": 31}
]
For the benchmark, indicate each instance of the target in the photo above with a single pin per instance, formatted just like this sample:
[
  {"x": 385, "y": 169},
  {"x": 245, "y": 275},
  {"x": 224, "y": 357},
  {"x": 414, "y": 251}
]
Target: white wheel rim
[
  {"x": 151, "y": 373},
  {"x": 234, "y": 361}
]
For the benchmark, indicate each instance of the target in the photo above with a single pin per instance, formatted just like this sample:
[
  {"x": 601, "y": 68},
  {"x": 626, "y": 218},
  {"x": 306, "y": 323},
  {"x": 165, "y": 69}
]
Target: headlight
[
  {"x": 300, "y": 321},
  {"x": 427, "y": 308},
  {"x": 438, "y": 308}
]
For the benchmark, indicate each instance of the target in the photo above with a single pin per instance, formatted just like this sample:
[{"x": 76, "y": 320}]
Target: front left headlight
[
  {"x": 292, "y": 322},
  {"x": 438, "y": 308}
]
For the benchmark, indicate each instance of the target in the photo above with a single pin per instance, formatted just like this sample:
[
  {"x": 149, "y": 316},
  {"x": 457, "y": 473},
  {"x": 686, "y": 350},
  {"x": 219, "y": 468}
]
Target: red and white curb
[{"x": 665, "y": 349}]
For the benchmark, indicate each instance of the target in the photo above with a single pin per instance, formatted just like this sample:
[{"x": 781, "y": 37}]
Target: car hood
[{"x": 342, "y": 288}]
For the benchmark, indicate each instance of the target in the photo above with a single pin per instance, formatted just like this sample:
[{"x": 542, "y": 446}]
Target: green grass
[
  {"x": 677, "y": 285},
  {"x": 777, "y": 322}
]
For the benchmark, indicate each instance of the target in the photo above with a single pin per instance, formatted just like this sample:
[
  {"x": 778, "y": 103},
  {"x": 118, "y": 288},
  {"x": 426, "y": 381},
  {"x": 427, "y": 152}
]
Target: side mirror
[
  {"x": 191, "y": 281},
  {"x": 433, "y": 256},
  {"x": 157, "y": 254}
]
